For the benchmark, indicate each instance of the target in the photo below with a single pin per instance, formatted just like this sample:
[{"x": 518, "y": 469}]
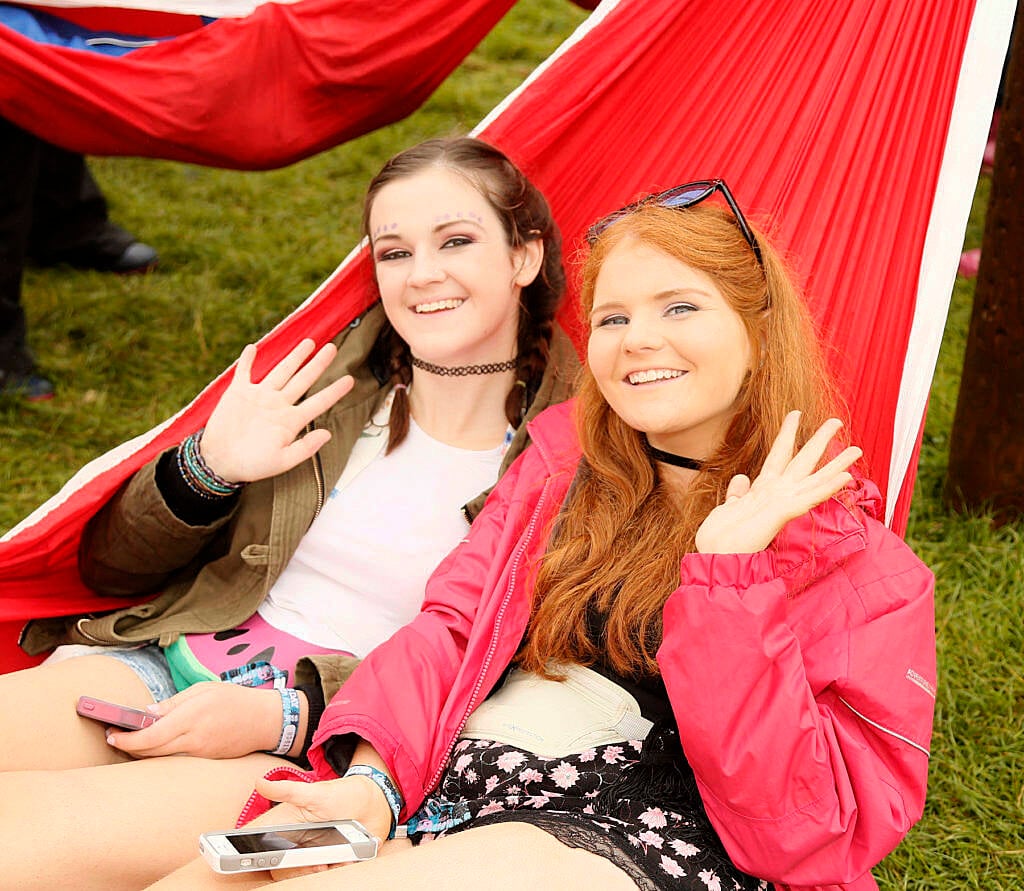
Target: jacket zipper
[
  {"x": 318, "y": 473},
  {"x": 494, "y": 638},
  {"x": 885, "y": 729},
  {"x": 246, "y": 815}
]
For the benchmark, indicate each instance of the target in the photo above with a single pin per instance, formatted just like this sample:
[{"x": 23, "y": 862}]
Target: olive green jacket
[{"x": 212, "y": 578}]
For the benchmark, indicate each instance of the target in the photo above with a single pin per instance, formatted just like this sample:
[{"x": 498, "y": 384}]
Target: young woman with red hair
[{"x": 678, "y": 650}]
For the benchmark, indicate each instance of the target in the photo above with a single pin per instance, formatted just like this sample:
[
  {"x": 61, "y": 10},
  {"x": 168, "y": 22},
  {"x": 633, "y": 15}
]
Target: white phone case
[{"x": 287, "y": 846}]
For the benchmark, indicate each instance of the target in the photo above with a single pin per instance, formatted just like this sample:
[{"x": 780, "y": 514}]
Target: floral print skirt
[{"x": 661, "y": 848}]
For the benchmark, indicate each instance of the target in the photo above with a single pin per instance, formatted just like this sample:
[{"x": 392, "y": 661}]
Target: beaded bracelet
[
  {"x": 197, "y": 474},
  {"x": 188, "y": 477},
  {"x": 385, "y": 784},
  {"x": 289, "y": 720}
]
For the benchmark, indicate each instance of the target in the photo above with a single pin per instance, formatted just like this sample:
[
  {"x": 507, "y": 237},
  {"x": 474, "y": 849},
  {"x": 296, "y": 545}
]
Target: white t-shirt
[{"x": 359, "y": 573}]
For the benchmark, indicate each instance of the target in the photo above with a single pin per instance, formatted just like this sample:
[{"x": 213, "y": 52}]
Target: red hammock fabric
[
  {"x": 832, "y": 121},
  {"x": 264, "y": 91}
]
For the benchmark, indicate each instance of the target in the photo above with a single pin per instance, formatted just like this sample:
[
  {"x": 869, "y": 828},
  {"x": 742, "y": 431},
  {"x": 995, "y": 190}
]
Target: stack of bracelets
[{"x": 197, "y": 475}]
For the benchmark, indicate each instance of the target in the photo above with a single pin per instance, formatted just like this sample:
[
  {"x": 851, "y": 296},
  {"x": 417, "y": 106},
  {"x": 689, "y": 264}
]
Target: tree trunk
[{"x": 986, "y": 459}]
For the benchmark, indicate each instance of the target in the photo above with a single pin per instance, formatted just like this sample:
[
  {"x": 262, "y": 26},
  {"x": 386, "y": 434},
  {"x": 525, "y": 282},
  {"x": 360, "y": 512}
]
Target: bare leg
[
  {"x": 118, "y": 826},
  {"x": 47, "y": 732},
  {"x": 503, "y": 857},
  {"x": 198, "y": 874}
]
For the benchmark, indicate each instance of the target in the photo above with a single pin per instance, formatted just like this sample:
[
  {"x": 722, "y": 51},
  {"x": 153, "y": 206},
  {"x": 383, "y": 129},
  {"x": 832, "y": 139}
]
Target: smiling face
[
  {"x": 666, "y": 349},
  {"x": 448, "y": 279}
]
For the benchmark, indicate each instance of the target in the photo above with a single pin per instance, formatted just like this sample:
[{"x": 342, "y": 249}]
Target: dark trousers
[{"x": 50, "y": 206}]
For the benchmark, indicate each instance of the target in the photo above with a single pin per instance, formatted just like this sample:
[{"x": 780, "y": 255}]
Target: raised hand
[
  {"x": 254, "y": 431},
  {"x": 208, "y": 720},
  {"x": 788, "y": 486}
]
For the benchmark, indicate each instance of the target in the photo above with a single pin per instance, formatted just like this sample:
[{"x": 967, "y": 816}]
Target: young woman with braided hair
[
  {"x": 527, "y": 219},
  {"x": 294, "y": 533},
  {"x": 678, "y": 651}
]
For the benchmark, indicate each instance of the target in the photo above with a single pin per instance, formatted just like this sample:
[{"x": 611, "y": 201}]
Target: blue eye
[
  {"x": 608, "y": 321},
  {"x": 680, "y": 309}
]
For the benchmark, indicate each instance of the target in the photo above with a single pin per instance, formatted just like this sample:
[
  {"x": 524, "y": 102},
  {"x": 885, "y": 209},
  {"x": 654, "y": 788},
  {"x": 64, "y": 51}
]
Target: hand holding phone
[
  {"x": 113, "y": 714},
  {"x": 287, "y": 846}
]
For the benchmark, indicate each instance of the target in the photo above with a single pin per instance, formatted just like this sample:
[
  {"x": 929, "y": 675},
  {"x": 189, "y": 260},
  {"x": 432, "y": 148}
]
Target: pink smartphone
[{"x": 116, "y": 715}]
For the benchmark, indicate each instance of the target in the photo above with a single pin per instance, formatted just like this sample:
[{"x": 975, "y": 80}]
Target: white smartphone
[{"x": 286, "y": 846}]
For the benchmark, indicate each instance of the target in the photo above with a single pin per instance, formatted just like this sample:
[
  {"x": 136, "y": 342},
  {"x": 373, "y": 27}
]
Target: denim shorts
[{"x": 147, "y": 661}]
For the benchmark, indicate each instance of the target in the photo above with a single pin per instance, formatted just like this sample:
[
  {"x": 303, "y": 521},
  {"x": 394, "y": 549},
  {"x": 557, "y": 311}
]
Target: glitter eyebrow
[{"x": 389, "y": 230}]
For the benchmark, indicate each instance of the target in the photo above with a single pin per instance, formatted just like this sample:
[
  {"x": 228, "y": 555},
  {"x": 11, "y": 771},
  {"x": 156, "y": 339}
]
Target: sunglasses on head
[{"x": 679, "y": 198}]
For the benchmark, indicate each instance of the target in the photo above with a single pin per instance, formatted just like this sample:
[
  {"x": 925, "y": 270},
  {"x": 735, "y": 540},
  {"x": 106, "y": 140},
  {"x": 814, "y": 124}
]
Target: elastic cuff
[
  {"x": 183, "y": 501},
  {"x": 728, "y": 570},
  {"x": 315, "y": 703}
]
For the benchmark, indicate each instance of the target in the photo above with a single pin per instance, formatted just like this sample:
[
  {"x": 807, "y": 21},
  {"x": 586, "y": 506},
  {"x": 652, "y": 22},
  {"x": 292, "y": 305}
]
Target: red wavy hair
[{"x": 623, "y": 531}]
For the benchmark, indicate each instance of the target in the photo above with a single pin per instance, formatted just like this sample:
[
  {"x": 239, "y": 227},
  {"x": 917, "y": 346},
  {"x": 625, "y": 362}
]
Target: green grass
[
  {"x": 972, "y": 834},
  {"x": 240, "y": 250}
]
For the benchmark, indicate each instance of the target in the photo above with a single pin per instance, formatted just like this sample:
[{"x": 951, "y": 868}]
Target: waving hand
[
  {"x": 788, "y": 486},
  {"x": 254, "y": 430}
]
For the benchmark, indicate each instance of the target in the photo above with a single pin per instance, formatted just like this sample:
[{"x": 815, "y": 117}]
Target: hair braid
[
  {"x": 525, "y": 216},
  {"x": 534, "y": 348},
  {"x": 391, "y": 362}
]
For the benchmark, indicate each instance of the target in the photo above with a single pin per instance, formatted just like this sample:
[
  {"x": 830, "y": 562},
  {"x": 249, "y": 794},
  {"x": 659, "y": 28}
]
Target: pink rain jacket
[{"x": 802, "y": 677}]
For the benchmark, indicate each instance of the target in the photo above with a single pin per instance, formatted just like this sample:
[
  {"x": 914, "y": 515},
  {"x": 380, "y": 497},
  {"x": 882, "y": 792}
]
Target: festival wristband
[
  {"x": 385, "y": 784},
  {"x": 289, "y": 720}
]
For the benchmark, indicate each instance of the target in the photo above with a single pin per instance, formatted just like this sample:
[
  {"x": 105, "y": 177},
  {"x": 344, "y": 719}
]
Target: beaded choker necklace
[
  {"x": 463, "y": 370},
  {"x": 675, "y": 460}
]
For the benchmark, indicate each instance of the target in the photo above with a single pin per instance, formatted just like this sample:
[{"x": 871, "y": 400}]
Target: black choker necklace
[
  {"x": 463, "y": 370},
  {"x": 675, "y": 460}
]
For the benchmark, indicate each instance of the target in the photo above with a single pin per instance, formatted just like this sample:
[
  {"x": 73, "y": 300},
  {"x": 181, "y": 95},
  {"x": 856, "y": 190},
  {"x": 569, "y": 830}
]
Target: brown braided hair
[{"x": 525, "y": 216}]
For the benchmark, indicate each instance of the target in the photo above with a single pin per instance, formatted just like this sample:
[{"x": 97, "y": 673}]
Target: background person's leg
[
  {"x": 19, "y": 165},
  {"x": 70, "y": 222}
]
